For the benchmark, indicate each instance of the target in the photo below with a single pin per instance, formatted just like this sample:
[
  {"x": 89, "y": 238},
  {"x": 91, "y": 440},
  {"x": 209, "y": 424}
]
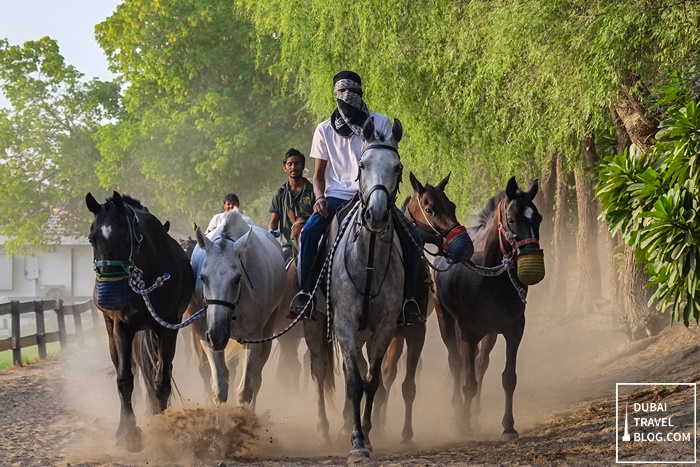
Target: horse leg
[
  {"x": 469, "y": 348},
  {"x": 321, "y": 361},
  {"x": 448, "y": 332},
  {"x": 482, "y": 363},
  {"x": 354, "y": 386},
  {"x": 376, "y": 351},
  {"x": 414, "y": 347},
  {"x": 120, "y": 348},
  {"x": 347, "y": 408},
  {"x": 197, "y": 332},
  {"x": 389, "y": 368},
  {"x": 219, "y": 373},
  {"x": 513, "y": 337},
  {"x": 289, "y": 367},
  {"x": 167, "y": 341}
]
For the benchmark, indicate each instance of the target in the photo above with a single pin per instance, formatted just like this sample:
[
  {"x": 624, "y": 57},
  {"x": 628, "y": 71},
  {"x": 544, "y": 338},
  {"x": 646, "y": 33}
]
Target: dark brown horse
[
  {"x": 433, "y": 214},
  {"x": 473, "y": 304},
  {"x": 132, "y": 252}
]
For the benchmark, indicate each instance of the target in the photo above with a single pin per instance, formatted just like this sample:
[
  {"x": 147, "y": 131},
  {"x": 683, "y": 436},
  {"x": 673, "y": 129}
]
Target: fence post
[
  {"x": 78, "y": 325},
  {"x": 40, "y": 329},
  {"x": 60, "y": 319},
  {"x": 16, "y": 349}
]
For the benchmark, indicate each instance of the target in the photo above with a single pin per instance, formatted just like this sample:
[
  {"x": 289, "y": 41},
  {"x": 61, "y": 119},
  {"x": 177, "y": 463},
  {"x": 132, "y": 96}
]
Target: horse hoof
[
  {"x": 510, "y": 436},
  {"x": 358, "y": 455},
  {"x": 133, "y": 440}
]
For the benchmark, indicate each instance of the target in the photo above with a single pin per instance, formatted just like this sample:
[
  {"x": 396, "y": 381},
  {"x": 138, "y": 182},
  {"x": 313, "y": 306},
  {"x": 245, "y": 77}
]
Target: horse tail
[
  {"x": 328, "y": 362},
  {"x": 145, "y": 348}
]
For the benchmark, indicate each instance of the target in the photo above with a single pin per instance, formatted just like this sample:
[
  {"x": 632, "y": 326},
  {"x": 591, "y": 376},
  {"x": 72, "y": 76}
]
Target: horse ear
[
  {"x": 202, "y": 240},
  {"x": 290, "y": 215},
  {"x": 443, "y": 183},
  {"x": 368, "y": 130},
  {"x": 92, "y": 204},
  {"x": 166, "y": 226},
  {"x": 533, "y": 189},
  {"x": 117, "y": 200},
  {"x": 417, "y": 186},
  {"x": 511, "y": 188},
  {"x": 397, "y": 130}
]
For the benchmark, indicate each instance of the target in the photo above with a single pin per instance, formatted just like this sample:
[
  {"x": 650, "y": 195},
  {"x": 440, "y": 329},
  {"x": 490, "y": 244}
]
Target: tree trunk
[
  {"x": 639, "y": 127},
  {"x": 559, "y": 252},
  {"x": 632, "y": 124},
  {"x": 588, "y": 289}
]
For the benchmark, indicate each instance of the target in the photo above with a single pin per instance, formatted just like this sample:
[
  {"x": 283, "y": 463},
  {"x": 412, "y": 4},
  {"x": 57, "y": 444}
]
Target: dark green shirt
[{"x": 302, "y": 205}]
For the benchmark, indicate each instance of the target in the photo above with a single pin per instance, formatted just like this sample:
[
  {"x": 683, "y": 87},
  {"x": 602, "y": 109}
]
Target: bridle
[
  {"x": 125, "y": 267},
  {"x": 438, "y": 237},
  {"x": 365, "y": 195},
  {"x": 510, "y": 237}
]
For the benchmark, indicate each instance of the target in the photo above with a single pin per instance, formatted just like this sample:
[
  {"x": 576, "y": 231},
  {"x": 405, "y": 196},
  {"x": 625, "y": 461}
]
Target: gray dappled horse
[
  {"x": 240, "y": 279},
  {"x": 366, "y": 287},
  {"x": 472, "y": 307}
]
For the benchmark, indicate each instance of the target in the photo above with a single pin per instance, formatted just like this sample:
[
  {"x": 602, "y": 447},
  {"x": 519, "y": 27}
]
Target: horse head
[
  {"x": 297, "y": 226},
  {"x": 519, "y": 231},
  {"x": 433, "y": 214},
  {"x": 379, "y": 175},
  {"x": 224, "y": 277},
  {"x": 115, "y": 238}
]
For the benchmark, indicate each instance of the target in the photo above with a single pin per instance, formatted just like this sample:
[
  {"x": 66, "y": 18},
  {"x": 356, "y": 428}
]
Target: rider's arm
[
  {"x": 319, "y": 181},
  {"x": 274, "y": 222}
]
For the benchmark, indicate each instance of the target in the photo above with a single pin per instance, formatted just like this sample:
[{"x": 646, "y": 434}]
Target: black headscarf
[{"x": 352, "y": 112}]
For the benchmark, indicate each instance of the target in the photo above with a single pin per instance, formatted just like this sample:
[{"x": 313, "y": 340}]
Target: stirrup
[
  {"x": 302, "y": 303},
  {"x": 414, "y": 316}
]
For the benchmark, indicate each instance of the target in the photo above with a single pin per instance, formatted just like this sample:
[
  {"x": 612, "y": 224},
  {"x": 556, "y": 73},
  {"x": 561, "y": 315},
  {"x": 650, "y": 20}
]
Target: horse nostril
[{"x": 209, "y": 339}]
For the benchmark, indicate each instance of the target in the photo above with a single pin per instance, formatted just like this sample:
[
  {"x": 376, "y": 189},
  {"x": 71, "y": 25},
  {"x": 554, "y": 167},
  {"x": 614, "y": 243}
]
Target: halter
[
  {"x": 443, "y": 237},
  {"x": 126, "y": 267},
  {"x": 510, "y": 237},
  {"x": 364, "y": 197}
]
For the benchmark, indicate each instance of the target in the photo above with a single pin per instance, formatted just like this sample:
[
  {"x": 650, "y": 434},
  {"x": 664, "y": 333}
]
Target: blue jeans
[
  {"x": 314, "y": 229},
  {"x": 316, "y": 226}
]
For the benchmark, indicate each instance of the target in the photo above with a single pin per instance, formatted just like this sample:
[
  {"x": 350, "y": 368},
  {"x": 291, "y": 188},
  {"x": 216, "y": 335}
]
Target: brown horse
[
  {"x": 474, "y": 304},
  {"x": 433, "y": 214}
]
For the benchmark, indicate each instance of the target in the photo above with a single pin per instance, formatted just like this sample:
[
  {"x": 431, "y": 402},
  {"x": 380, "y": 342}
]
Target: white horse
[
  {"x": 240, "y": 280},
  {"x": 367, "y": 275}
]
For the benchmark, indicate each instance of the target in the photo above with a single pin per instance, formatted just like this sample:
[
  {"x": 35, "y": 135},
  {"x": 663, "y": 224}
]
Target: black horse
[
  {"x": 132, "y": 251},
  {"x": 471, "y": 304}
]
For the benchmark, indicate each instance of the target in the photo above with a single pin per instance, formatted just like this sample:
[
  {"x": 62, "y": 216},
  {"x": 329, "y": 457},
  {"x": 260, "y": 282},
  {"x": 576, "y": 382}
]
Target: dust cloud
[{"x": 557, "y": 357}]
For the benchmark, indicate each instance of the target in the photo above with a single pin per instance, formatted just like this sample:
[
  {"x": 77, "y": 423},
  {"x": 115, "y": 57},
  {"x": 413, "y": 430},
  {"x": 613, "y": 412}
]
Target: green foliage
[
  {"x": 46, "y": 147},
  {"x": 204, "y": 116},
  {"x": 653, "y": 200}
]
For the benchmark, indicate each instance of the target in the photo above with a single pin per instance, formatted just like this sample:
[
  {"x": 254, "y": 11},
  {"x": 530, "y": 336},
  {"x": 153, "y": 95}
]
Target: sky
[{"x": 70, "y": 22}]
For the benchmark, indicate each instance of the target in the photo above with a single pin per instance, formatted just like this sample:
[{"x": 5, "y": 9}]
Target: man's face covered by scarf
[{"x": 352, "y": 110}]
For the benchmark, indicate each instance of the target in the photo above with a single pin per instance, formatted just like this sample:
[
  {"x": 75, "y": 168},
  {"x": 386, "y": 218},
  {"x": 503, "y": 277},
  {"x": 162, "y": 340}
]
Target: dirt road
[{"x": 65, "y": 412}]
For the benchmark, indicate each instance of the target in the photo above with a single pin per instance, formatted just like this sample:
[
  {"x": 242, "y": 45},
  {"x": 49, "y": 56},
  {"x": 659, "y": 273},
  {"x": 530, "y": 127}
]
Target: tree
[
  {"x": 652, "y": 199},
  {"x": 48, "y": 152},
  {"x": 204, "y": 115}
]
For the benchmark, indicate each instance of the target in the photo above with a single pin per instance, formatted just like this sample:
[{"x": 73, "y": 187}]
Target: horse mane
[
  {"x": 490, "y": 207},
  {"x": 131, "y": 201},
  {"x": 404, "y": 206}
]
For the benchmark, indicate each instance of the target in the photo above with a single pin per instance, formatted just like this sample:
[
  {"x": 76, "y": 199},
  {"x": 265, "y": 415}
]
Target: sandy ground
[{"x": 65, "y": 412}]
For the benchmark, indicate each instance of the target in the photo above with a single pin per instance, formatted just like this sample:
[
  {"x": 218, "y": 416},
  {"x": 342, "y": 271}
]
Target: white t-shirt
[{"x": 343, "y": 154}]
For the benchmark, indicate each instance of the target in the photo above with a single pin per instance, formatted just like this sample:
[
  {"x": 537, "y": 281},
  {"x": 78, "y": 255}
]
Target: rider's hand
[{"x": 321, "y": 207}]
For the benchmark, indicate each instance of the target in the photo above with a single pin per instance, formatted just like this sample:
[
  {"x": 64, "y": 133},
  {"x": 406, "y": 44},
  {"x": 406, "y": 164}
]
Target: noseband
[
  {"x": 510, "y": 237},
  {"x": 442, "y": 237},
  {"x": 135, "y": 240}
]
